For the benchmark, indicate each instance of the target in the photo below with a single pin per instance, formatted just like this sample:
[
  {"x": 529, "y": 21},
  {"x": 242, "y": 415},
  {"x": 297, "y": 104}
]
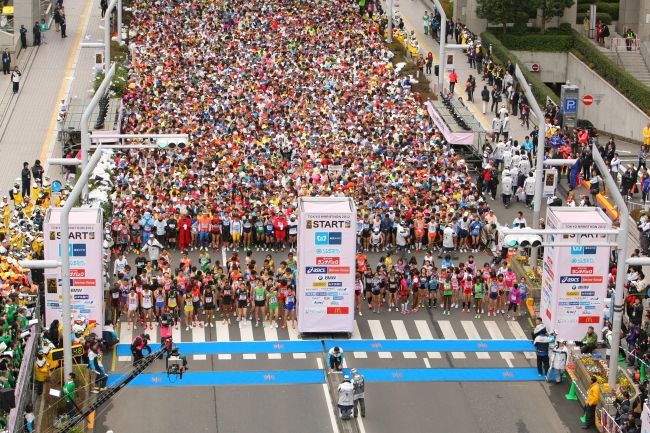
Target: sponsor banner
[
  {"x": 326, "y": 253},
  {"x": 574, "y": 278},
  {"x": 86, "y": 271}
]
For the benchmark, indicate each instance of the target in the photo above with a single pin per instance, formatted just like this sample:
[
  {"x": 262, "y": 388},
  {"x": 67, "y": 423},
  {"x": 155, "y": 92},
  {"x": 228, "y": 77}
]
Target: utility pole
[{"x": 389, "y": 39}]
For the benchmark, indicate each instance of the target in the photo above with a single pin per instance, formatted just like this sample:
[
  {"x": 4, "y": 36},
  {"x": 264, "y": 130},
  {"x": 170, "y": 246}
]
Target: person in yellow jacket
[
  {"x": 646, "y": 134},
  {"x": 593, "y": 398},
  {"x": 41, "y": 372}
]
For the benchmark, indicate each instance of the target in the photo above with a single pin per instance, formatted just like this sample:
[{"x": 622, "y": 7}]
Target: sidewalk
[{"x": 28, "y": 130}]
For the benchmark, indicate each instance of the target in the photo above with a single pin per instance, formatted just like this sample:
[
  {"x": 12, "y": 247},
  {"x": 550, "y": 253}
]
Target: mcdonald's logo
[{"x": 338, "y": 310}]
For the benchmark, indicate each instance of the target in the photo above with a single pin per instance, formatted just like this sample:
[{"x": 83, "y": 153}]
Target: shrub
[
  {"x": 118, "y": 83},
  {"x": 501, "y": 55},
  {"x": 545, "y": 42},
  {"x": 625, "y": 83},
  {"x": 607, "y": 8},
  {"x": 605, "y": 18}
]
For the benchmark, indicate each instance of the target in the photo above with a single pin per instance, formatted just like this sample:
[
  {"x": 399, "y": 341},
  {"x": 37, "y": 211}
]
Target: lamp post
[
  {"x": 66, "y": 310},
  {"x": 539, "y": 158},
  {"x": 624, "y": 218},
  {"x": 443, "y": 43}
]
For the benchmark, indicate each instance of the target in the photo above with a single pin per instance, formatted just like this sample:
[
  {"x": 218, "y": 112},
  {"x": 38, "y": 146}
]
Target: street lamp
[
  {"x": 624, "y": 219},
  {"x": 539, "y": 158},
  {"x": 443, "y": 43}
]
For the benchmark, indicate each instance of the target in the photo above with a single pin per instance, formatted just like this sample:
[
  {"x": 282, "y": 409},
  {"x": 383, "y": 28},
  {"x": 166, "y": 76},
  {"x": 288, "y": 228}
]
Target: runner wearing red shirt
[{"x": 280, "y": 229}]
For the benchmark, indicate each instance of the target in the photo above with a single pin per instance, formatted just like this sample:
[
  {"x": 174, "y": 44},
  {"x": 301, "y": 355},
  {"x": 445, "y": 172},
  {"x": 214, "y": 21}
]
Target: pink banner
[{"x": 466, "y": 138}]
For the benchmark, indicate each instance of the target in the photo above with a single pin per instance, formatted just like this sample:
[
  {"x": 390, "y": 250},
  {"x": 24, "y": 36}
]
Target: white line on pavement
[
  {"x": 425, "y": 334},
  {"x": 401, "y": 334},
  {"x": 330, "y": 408},
  {"x": 472, "y": 334},
  {"x": 495, "y": 334},
  {"x": 449, "y": 334},
  {"x": 198, "y": 336},
  {"x": 378, "y": 334}
]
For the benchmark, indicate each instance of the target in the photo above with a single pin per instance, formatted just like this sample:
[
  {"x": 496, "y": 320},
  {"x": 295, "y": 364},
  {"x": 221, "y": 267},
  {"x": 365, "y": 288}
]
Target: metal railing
[
  {"x": 25, "y": 388},
  {"x": 616, "y": 43},
  {"x": 608, "y": 422}
]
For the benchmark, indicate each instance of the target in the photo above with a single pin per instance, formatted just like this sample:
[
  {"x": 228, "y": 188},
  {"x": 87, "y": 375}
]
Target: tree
[
  {"x": 503, "y": 12},
  {"x": 551, "y": 9}
]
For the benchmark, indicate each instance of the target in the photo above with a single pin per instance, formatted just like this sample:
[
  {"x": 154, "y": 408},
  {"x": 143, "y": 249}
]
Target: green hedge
[
  {"x": 501, "y": 54},
  {"x": 607, "y": 8},
  {"x": 605, "y": 18},
  {"x": 545, "y": 42},
  {"x": 625, "y": 83}
]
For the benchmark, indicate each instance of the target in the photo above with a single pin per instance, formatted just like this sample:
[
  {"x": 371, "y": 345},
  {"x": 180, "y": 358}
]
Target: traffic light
[
  {"x": 172, "y": 141},
  {"x": 525, "y": 241}
]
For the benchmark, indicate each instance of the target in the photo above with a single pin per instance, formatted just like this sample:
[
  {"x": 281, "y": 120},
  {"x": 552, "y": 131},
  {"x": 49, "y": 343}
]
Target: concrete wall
[
  {"x": 465, "y": 12},
  {"x": 552, "y": 65},
  {"x": 611, "y": 111},
  {"x": 634, "y": 14}
]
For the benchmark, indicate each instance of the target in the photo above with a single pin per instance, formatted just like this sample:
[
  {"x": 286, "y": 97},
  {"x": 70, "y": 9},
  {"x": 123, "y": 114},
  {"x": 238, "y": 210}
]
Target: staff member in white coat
[
  {"x": 559, "y": 358},
  {"x": 346, "y": 397},
  {"x": 506, "y": 188},
  {"x": 529, "y": 188}
]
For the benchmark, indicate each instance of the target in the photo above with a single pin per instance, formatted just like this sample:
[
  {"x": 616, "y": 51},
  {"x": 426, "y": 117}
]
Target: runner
[
  {"x": 272, "y": 306},
  {"x": 147, "y": 306},
  {"x": 290, "y": 309},
  {"x": 260, "y": 303},
  {"x": 479, "y": 292},
  {"x": 132, "y": 303}
]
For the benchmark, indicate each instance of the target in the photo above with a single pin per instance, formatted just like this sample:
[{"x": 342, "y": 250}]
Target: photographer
[
  {"x": 335, "y": 358},
  {"x": 140, "y": 343}
]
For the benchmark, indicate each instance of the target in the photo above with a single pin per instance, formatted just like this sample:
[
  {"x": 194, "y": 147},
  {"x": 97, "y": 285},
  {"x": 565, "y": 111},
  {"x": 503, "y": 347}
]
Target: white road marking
[
  {"x": 319, "y": 362},
  {"x": 427, "y": 364},
  {"x": 223, "y": 334},
  {"x": 198, "y": 336},
  {"x": 356, "y": 335},
  {"x": 472, "y": 334},
  {"x": 271, "y": 334},
  {"x": 401, "y": 334},
  {"x": 378, "y": 334},
  {"x": 246, "y": 333},
  {"x": 330, "y": 409},
  {"x": 126, "y": 337},
  {"x": 294, "y": 335},
  {"x": 495, "y": 334},
  {"x": 449, "y": 334},
  {"x": 425, "y": 334},
  {"x": 519, "y": 334}
]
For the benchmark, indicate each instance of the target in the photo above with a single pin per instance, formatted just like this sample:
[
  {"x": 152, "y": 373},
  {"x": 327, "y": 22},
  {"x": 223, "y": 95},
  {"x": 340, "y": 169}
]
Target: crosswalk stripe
[
  {"x": 449, "y": 334},
  {"x": 271, "y": 334},
  {"x": 472, "y": 334},
  {"x": 246, "y": 334},
  {"x": 519, "y": 334},
  {"x": 126, "y": 336},
  {"x": 356, "y": 335},
  {"x": 153, "y": 333},
  {"x": 401, "y": 334},
  {"x": 294, "y": 335},
  {"x": 176, "y": 333},
  {"x": 425, "y": 334},
  {"x": 378, "y": 334},
  {"x": 223, "y": 334},
  {"x": 198, "y": 336},
  {"x": 495, "y": 334}
]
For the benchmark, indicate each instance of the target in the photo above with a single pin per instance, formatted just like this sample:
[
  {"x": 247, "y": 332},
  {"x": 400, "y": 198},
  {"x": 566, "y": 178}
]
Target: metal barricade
[
  {"x": 608, "y": 422},
  {"x": 24, "y": 388}
]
